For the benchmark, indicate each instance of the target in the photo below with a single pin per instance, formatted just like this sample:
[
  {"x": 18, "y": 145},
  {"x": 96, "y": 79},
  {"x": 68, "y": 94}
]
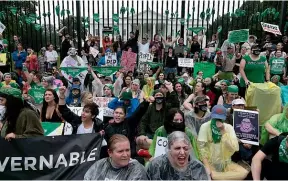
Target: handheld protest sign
[
  {"x": 111, "y": 59},
  {"x": 246, "y": 126},
  {"x": 271, "y": 28},
  {"x": 161, "y": 144},
  {"x": 238, "y": 36}
]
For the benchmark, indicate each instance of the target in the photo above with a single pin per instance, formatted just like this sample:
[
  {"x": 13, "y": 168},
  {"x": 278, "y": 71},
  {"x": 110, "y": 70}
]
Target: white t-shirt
[
  {"x": 51, "y": 56},
  {"x": 144, "y": 48},
  {"x": 82, "y": 130}
]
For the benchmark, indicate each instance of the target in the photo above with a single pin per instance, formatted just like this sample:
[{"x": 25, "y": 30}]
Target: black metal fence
[{"x": 37, "y": 22}]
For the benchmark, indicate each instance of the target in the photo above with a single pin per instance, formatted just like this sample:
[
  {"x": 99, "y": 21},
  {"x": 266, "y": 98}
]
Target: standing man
[{"x": 133, "y": 41}]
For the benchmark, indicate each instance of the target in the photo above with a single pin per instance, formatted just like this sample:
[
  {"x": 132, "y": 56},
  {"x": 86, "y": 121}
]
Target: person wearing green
[
  {"x": 8, "y": 82},
  {"x": 253, "y": 68},
  {"x": 276, "y": 80},
  {"x": 276, "y": 125},
  {"x": 174, "y": 122},
  {"x": 19, "y": 121},
  {"x": 277, "y": 65}
]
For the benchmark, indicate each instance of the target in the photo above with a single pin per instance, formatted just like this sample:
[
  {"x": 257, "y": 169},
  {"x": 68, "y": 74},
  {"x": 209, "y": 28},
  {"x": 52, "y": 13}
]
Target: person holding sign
[
  {"x": 174, "y": 122},
  {"x": 178, "y": 163},
  {"x": 119, "y": 165},
  {"x": 253, "y": 68},
  {"x": 278, "y": 65},
  {"x": 218, "y": 142}
]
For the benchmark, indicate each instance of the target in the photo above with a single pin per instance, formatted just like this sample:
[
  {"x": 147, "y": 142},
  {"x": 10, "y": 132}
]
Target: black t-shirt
[
  {"x": 272, "y": 148},
  {"x": 171, "y": 62}
]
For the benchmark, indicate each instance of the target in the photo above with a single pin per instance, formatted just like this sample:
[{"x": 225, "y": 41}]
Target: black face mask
[
  {"x": 178, "y": 126},
  {"x": 256, "y": 52},
  {"x": 159, "y": 100}
]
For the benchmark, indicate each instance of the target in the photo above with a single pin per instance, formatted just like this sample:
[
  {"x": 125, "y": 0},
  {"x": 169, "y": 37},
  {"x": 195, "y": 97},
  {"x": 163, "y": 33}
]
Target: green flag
[
  {"x": 96, "y": 17},
  {"x": 106, "y": 71},
  {"x": 196, "y": 30},
  {"x": 154, "y": 64},
  {"x": 73, "y": 71},
  {"x": 51, "y": 129},
  {"x": 115, "y": 18},
  {"x": 37, "y": 94},
  {"x": 207, "y": 68},
  {"x": 238, "y": 36}
]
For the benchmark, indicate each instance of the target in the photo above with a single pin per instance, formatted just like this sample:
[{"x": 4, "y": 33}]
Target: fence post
[
  {"x": 78, "y": 14},
  {"x": 283, "y": 15},
  {"x": 182, "y": 16}
]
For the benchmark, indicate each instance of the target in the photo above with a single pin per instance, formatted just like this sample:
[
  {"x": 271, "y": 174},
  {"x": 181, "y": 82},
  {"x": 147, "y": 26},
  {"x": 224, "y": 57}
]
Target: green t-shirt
[
  {"x": 277, "y": 65},
  {"x": 35, "y": 86},
  {"x": 254, "y": 70}
]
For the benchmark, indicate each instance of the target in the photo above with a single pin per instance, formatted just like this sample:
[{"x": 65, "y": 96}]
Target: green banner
[
  {"x": 106, "y": 71},
  {"x": 207, "y": 68},
  {"x": 154, "y": 64},
  {"x": 238, "y": 36},
  {"x": 196, "y": 30},
  {"x": 51, "y": 128},
  {"x": 37, "y": 95},
  {"x": 73, "y": 71}
]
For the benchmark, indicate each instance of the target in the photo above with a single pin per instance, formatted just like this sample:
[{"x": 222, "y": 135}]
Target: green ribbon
[
  {"x": 273, "y": 11},
  {"x": 96, "y": 17},
  {"x": 37, "y": 27},
  {"x": 202, "y": 15},
  {"x": 213, "y": 11},
  {"x": 153, "y": 64},
  {"x": 172, "y": 15},
  {"x": 182, "y": 21},
  {"x": 276, "y": 15},
  {"x": 57, "y": 10},
  {"x": 208, "y": 16},
  {"x": 219, "y": 29},
  {"x": 44, "y": 15},
  {"x": 73, "y": 71},
  {"x": 193, "y": 9},
  {"x": 122, "y": 10},
  {"x": 132, "y": 11},
  {"x": 178, "y": 33},
  {"x": 115, "y": 18},
  {"x": 48, "y": 14},
  {"x": 207, "y": 10},
  {"x": 2, "y": 15},
  {"x": 216, "y": 133},
  {"x": 68, "y": 12},
  {"x": 167, "y": 12},
  {"x": 196, "y": 30},
  {"x": 116, "y": 29},
  {"x": 106, "y": 71},
  {"x": 63, "y": 12},
  {"x": 13, "y": 10}
]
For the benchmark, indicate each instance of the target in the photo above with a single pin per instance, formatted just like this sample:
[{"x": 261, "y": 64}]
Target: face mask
[
  {"x": 256, "y": 52},
  {"x": 178, "y": 126},
  {"x": 159, "y": 100},
  {"x": 203, "y": 108}
]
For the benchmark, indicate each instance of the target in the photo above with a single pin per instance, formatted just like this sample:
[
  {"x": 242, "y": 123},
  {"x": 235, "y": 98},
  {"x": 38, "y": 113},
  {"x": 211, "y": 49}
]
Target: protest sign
[
  {"x": 49, "y": 158},
  {"x": 3, "y": 59},
  {"x": 144, "y": 57},
  {"x": 238, "y": 36},
  {"x": 76, "y": 61},
  {"x": 207, "y": 68},
  {"x": 2, "y": 27},
  {"x": 161, "y": 144},
  {"x": 52, "y": 129},
  {"x": 128, "y": 61},
  {"x": 37, "y": 94},
  {"x": 185, "y": 62},
  {"x": 102, "y": 102},
  {"x": 271, "y": 28},
  {"x": 106, "y": 71},
  {"x": 111, "y": 59},
  {"x": 246, "y": 126},
  {"x": 94, "y": 52}
]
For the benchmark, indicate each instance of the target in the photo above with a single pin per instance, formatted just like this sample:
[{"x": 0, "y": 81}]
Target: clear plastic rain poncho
[
  {"x": 103, "y": 170},
  {"x": 278, "y": 122},
  {"x": 161, "y": 169},
  {"x": 217, "y": 154}
]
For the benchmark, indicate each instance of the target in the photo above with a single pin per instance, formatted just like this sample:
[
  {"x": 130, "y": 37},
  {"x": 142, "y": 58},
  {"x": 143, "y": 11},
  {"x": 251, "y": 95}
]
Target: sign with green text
[{"x": 238, "y": 36}]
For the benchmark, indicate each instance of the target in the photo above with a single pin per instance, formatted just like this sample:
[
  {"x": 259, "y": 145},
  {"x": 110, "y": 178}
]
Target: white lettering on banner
[
  {"x": 41, "y": 163},
  {"x": 161, "y": 144},
  {"x": 271, "y": 28},
  {"x": 185, "y": 62}
]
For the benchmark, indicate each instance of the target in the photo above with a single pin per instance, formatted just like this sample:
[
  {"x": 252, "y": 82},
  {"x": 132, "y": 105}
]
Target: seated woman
[
  {"x": 19, "y": 121},
  {"x": 276, "y": 125},
  {"x": 226, "y": 100},
  {"x": 119, "y": 165},
  {"x": 177, "y": 163},
  {"x": 218, "y": 142},
  {"x": 174, "y": 122}
]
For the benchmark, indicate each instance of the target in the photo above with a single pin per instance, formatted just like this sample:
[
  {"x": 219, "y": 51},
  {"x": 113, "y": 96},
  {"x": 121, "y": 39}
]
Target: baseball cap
[
  {"x": 200, "y": 99},
  {"x": 218, "y": 112},
  {"x": 238, "y": 102}
]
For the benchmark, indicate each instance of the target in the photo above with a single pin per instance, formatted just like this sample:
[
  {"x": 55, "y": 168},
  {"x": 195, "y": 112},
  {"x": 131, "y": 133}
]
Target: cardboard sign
[
  {"x": 2, "y": 27},
  {"x": 94, "y": 52},
  {"x": 144, "y": 57},
  {"x": 185, "y": 62},
  {"x": 271, "y": 28},
  {"x": 238, "y": 36},
  {"x": 161, "y": 144},
  {"x": 128, "y": 61},
  {"x": 3, "y": 59},
  {"x": 110, "y": 59},
  {"x": 246, "y": 126}
]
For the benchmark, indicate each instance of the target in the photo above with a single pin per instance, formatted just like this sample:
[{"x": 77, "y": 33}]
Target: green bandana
[
  {"x": 154, "y": 64},
  {"x": 181, "y": 80},
  {"x": 106, "y": 71},
  {"x": 196, "y": 30},
  {"x": 230, "y": 56},
  {"x": 216, "y": 134},
  {"x": 37, "y": 94},
  {"x": 233, "y": 89},
  {"x": 110, "y": 86},
  {"x": 73, "y": 71},
  {"x": 283, "y": 154},
  {"x": 227, "y": 82},
  {"x": 12, "y": 92}
]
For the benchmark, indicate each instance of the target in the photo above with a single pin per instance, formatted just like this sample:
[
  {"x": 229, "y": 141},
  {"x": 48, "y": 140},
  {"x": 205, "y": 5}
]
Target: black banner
[{"x": 49, "y": 158}]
